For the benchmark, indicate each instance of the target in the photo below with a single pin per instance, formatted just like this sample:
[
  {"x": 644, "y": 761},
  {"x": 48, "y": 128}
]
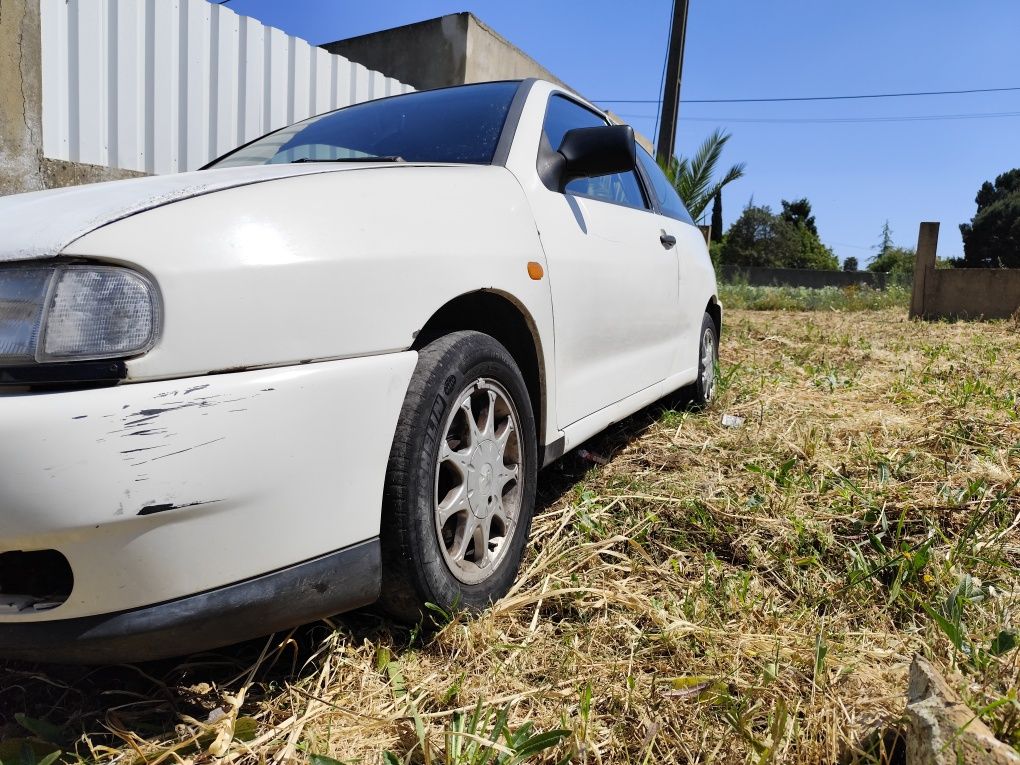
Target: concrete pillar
[
  {"x": 924, "y": 262},
  {"x": 20, "y": 97}
]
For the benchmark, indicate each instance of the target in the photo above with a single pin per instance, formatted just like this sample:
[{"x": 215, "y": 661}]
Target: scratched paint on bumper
[{"x": 159, "y": 490}]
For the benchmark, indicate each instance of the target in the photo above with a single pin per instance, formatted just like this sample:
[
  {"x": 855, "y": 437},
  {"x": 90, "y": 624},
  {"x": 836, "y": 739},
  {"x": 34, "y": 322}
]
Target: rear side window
[
  {"x": 619, "y": 188},
  {"x": 669, "y": 201}
]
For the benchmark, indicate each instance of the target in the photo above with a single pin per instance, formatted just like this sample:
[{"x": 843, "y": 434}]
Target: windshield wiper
[{"x": 390, "y": 158}]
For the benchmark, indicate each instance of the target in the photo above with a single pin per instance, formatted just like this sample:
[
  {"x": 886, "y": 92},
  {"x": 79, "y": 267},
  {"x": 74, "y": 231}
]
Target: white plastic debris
[{"x": 732, "y": 421}]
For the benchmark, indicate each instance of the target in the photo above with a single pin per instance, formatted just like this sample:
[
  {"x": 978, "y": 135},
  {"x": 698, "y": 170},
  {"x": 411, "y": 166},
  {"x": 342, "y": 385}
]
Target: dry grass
[{"x": 710, "y": 594}]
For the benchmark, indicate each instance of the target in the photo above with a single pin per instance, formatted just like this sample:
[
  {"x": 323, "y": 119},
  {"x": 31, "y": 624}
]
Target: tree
[
  {"x": 798, "y": 213},
  {"x": 890, "y": 258},
  {"x": 692, "y": 178},
  {"x": 895, "y": 260},
  {"x": 759, "y": 238},
  {"x": 992, "y": 238},
  {"x": 813, "y": 254},
  {"x": 850, "y": 264},
  {"x": 717, "y": 231},
  {"x": 886, "y": 242}
]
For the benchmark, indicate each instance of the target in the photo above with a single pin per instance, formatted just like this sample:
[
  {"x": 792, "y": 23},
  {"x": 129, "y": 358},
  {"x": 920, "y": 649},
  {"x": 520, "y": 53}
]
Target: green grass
[
  {"x": 808, "y": 299},
  {"x": 709, "y": 594}
]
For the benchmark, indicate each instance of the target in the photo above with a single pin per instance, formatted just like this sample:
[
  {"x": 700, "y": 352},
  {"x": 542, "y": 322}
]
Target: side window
[
  {"x": 670, "y": 202},
  {"x": 620, "y": 188}
]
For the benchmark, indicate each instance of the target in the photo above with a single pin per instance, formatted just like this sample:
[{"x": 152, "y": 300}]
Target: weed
[{"x": 745, "y": 594}]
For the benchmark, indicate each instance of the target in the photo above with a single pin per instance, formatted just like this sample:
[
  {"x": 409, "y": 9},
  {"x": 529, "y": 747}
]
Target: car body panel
[
  {"x": 158, "y": 490},
  {"x": 635, "y": 281},
  {"x": 295, "y": 270},
  {"x": 254, "y": 436},
  {"x": 41, "y": 224}
]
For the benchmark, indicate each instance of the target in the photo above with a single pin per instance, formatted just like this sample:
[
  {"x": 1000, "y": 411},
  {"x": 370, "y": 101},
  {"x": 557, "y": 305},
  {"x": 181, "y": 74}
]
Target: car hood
[{"x": 42, "y": 223}]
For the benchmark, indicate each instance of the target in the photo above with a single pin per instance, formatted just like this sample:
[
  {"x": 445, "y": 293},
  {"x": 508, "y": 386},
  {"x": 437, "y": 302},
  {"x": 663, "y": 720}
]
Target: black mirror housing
[{"x": 594, "y": 151}]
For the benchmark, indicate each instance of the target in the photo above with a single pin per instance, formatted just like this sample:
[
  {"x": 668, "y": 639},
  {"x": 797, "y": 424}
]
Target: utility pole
[{"x": 674, "y": 72}]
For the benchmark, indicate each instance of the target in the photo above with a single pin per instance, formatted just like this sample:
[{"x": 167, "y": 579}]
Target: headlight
[{"x": 75, "y": 313}]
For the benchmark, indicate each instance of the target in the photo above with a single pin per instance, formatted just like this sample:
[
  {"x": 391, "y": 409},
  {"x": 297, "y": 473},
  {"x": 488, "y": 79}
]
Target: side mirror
[{"x": 591, "y": 152}]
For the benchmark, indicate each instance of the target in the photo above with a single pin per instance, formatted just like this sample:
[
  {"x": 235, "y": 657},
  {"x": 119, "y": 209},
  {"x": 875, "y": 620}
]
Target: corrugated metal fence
[{"x": 166, "y": 85}]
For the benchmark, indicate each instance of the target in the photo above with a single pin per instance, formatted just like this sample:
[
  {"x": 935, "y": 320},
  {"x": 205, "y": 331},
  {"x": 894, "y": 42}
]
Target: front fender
[{"x": 325, "y": 266}]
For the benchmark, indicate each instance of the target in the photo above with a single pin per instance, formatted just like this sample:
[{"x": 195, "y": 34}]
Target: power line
[
  {"x": 825, "y": 120},
  {"x": 807, "y": 98}
]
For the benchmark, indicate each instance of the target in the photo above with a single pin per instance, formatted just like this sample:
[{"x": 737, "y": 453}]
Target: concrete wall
[
  {"x": 450, "y": 50},
  {"x": 493, "y": 57},
  {"x": 20, "y": 98},
  {"x": 801, "y": 277},
  {"x": 960, "y": 293},
  {"x": 972, "y": 293}
]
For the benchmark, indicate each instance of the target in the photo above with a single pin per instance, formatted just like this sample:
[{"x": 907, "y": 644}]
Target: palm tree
[{"x": 692, "y": 178}]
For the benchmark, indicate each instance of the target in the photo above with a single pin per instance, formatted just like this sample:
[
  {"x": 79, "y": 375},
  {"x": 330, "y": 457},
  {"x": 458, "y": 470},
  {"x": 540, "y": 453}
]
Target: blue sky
[{"x": 856, "y": 174}]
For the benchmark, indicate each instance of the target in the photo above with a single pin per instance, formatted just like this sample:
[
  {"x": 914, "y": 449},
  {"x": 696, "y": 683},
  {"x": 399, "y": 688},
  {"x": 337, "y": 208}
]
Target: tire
[
  {"x": 458, "y": 500},
  {"x": 703, "y": 390}
]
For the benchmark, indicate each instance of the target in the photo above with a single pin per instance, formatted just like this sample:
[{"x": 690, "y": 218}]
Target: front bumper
[
  {"x": 157, "y": 491},
  {"x": 328, "y": 585}
]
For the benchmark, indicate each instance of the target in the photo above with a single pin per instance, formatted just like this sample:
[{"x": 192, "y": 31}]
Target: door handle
[{"x": 668, "y": 240}]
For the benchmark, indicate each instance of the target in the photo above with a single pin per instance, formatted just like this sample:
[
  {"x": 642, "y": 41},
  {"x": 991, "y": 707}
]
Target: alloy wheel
[{"x": 478, "y": 481}]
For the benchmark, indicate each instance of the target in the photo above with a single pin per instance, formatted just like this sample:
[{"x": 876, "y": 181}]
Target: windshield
[{"x": 460, "y": 124}]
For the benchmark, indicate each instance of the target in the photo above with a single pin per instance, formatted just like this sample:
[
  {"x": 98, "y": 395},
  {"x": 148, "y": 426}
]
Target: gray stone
[{"x": 942, "y": 730}]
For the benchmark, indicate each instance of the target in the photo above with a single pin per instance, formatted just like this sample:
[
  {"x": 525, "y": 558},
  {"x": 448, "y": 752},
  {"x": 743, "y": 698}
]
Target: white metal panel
[
  {"x": 127, "y": 85},
  {"x": 301, "y": 81},
  {"x": 360, "y": 79},
  {"x": 166, "y": 85},
  {"x": 377, "y": 85},
  {"x": 277, "y": 78},
  {"x": 223, "y": 95},
  {"x": 195, "y": 76},
  {"x": 89, "y": 56},
  {"x": 252, "y": 69},
  {"x": 162, "y": 88},
  {"x": 54, "y": 79},
  {"x": 343, "y": 89},
  {"x": 325, "y": 70}
]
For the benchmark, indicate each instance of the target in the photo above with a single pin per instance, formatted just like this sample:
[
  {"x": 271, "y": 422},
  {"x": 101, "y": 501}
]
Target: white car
[{"x": 325, "y": 370}]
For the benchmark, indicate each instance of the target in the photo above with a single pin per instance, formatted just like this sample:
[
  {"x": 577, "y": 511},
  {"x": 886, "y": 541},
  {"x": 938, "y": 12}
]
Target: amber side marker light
[{"x": 535, "y": 270}]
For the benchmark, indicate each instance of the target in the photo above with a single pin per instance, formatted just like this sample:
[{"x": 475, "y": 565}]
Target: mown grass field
[{"x": 709, "y": 594}]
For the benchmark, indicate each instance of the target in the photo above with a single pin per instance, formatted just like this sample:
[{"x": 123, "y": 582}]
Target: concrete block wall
[{"x": 960, "y": 293}]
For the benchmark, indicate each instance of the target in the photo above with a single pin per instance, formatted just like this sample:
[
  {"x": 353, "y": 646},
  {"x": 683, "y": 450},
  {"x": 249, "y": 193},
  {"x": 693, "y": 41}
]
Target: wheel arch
[
  {"x": 714, "y": 309},
  {"x": 501, "y": 316}
]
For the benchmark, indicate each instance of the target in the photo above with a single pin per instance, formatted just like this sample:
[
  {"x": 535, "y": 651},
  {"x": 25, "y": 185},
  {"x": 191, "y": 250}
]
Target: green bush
[{"x": 852, "y": 298}]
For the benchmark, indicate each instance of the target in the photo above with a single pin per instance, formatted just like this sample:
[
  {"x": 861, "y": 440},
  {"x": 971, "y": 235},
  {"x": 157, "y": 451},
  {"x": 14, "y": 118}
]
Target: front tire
[
  {"x": 460, "y": 482},
  {"x": 704, "y": 389}
]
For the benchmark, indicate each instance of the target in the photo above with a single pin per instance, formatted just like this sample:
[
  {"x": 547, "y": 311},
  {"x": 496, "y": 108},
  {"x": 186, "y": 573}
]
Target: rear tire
[{"x": 460, "y": 482}]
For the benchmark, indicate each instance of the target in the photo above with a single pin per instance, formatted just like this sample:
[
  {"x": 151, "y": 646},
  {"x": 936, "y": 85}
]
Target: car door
[
  {"x": 676, "y": 222},
  {"x": 613, "y": 281}
]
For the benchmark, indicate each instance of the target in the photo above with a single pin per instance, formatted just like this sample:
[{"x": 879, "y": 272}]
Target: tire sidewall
[
  {"x": 701, "y": 394},
  {"x": 479, "y": 356}
]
